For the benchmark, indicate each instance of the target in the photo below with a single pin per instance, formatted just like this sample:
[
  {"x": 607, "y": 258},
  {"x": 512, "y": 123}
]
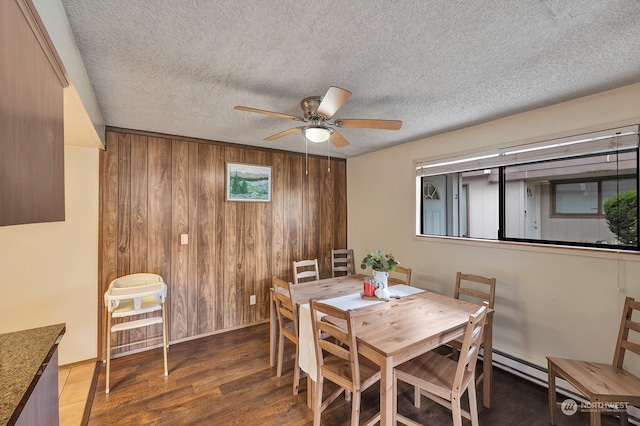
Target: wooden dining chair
[
  {"x": 442, "y": 379},
  {"x": 339, "y": 362},
  {"x": 475, "y": 289},
  {"x": 602, "y": 383},
  {"x": 305, "y": 270},
  {"x": 287, "y": 325},
  {"x": 401, "y": 275},
  {"x": 342, "y": 262}
]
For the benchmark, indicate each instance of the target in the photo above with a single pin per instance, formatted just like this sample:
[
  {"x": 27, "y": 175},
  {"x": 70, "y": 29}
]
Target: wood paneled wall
[{"x": 154, "y": 188}]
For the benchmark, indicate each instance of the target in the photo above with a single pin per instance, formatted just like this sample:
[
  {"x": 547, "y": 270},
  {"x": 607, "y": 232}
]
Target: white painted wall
[
  {"x": 49, "y": 271},
  {"x": 550, "y": 301}
]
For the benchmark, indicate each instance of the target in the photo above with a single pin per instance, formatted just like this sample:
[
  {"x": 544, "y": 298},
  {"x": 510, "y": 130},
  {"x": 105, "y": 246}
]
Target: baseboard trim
[{"x": 538, "y": 375}]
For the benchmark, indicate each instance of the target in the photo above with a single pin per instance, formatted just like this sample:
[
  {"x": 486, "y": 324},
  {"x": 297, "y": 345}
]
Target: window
[
  {"x": 559, "y": 204},
  {"x": 575, "y": 191},
  {"x": 575, "y": 198},
  {"x": 586, "y": 197},
  {"x": 429, "y": 191}
]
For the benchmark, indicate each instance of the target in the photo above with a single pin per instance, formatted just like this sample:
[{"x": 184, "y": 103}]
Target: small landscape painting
[{"x": 246, "y": 182}]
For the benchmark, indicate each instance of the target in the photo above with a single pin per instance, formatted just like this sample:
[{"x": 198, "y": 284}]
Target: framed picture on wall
[{"x": 248, "y": 182}]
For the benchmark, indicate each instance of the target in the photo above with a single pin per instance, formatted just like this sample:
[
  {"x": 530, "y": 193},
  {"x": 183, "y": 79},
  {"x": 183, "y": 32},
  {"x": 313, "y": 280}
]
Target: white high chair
[{"x": 131, "y": 295}]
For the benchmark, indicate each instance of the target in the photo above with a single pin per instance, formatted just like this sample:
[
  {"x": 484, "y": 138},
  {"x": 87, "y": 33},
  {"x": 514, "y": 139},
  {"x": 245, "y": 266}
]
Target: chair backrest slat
[
  {"x": 334, "y": 349},
  {"x": 633, "y": 347},
  {"x": 632, "y": 325}
]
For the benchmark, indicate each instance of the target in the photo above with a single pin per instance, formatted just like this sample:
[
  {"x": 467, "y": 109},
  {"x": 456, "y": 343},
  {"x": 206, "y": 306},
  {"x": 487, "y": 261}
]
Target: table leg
[
  {"x": 273, "y": 330},
  {"x": 386, "y": 393},
  {"x": 487, "y": 363}
]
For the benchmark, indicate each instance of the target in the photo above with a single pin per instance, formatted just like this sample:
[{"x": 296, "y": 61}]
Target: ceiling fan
[{"x": 318, "y": 110}]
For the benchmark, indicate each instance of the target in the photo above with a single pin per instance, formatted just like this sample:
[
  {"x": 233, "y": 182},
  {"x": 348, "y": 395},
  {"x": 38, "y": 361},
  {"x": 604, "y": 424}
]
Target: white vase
[{"x": 380, "y": 279}]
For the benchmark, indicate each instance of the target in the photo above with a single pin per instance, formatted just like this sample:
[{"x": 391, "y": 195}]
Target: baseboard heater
[{"x": 538, "y": 375}]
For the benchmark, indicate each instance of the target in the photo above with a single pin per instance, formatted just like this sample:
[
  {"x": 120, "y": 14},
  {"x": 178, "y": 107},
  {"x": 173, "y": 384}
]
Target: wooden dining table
[{"x": 390, "y": 333}]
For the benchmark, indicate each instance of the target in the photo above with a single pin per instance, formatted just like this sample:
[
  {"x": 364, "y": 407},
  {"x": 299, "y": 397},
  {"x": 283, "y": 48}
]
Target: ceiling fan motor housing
[{"x": 310, "y": 107}]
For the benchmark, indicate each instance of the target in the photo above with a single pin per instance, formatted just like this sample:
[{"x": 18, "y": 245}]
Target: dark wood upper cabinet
[{"x": 32, "y": 80}]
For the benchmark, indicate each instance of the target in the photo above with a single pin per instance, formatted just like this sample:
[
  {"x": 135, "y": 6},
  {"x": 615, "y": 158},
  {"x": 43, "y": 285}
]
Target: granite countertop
[{"x": 22, "y": 354}]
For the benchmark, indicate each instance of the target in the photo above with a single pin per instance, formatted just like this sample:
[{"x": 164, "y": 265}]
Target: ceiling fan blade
[
  {"x": 332, "y": 101},
  {"x": 338, "y": 140},
  {"x": 282, "y": 134},
  {"x": 274, "y": 114},
  {"x": 369, "y": 124}
]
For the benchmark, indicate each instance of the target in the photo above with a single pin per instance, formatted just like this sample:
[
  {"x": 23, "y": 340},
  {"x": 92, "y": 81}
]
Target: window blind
[{"x": 619, "y": 139}]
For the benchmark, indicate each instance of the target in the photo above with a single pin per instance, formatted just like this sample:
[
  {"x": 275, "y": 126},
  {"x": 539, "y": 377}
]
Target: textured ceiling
[{"x": 179, "y": 67}]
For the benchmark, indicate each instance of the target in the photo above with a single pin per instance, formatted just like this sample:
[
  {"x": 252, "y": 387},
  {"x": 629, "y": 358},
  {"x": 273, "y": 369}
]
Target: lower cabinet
[{"x": 42, "y": 407}]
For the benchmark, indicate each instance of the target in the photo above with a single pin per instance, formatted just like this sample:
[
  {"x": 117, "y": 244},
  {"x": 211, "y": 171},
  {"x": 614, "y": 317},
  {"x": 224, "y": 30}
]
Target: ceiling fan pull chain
[
  {"x": 328, "y": 157},
  {"x": 306, "y": 156}
]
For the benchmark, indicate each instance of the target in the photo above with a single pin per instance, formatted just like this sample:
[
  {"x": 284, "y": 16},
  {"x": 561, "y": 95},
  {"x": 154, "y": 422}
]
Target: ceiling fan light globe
[{"x": 317, "y": 134}]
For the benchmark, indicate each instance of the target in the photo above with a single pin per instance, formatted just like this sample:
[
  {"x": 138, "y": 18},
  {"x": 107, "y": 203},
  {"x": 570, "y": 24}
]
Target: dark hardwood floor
[{"x": 226, "y": 380}]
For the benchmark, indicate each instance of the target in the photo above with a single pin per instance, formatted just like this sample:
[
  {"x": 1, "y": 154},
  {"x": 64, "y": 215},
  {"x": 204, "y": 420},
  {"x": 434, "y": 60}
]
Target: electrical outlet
[
  {"x": 252, "y": 299},
  {"x": 184, "y": 239}
]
